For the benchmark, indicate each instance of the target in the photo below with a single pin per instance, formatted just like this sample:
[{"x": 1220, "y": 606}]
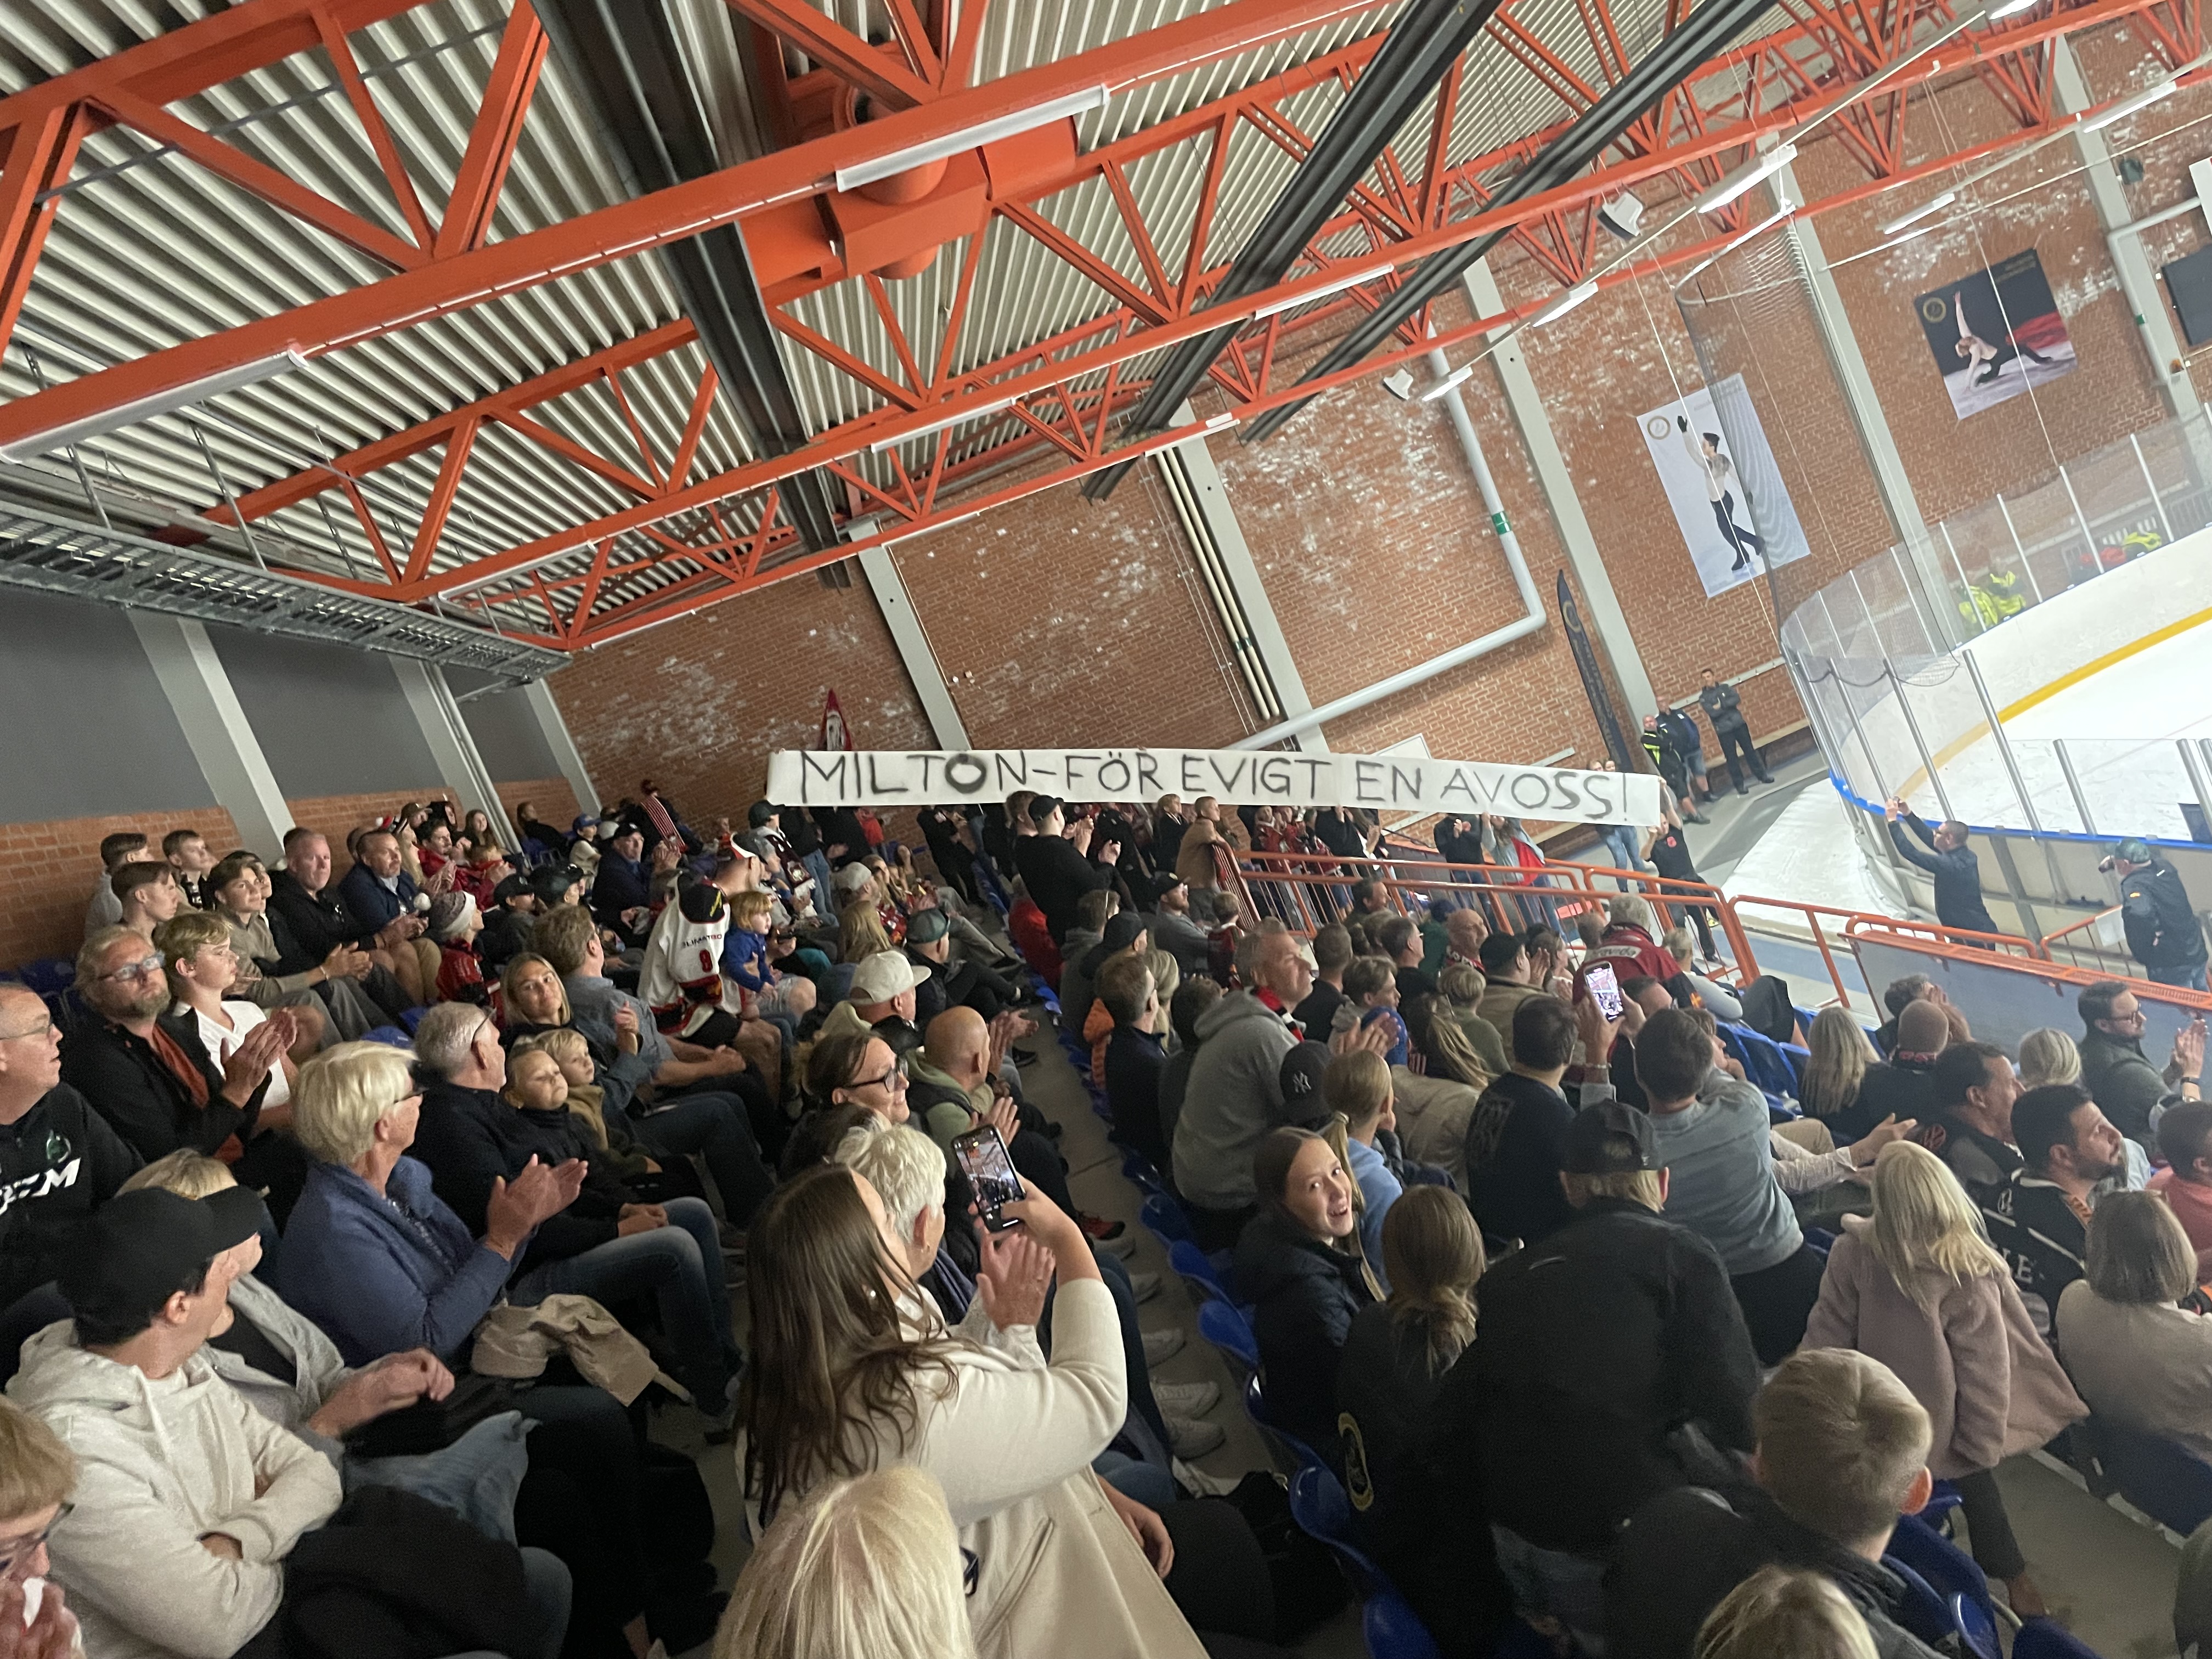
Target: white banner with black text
[{"x": 1384, "y": 783}]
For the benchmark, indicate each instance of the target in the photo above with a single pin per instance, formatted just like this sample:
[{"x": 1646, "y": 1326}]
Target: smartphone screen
[
  {"x": 983, "y": 1160},
  {"x": 1605, "y": 988}
]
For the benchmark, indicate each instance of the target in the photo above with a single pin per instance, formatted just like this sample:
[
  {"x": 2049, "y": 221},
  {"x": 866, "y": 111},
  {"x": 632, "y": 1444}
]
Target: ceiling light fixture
[
  {"x": 961, "y": 418},
  {"x": 1337, "y": 286},
  {"x": 2142, "y": 100},
  {"x": 1566, "y": 303},
  {"x": 974, "y": 138},
  {"x": 160, "y": 402},
  {"x": 1747, "y": 178},
  {"x": 1921, "y": 212},
  {"x": 1457, "y": 378}
]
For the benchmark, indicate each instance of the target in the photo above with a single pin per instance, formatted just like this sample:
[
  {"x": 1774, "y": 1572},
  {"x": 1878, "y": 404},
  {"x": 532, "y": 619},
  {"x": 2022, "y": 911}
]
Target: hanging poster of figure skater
[
  {"x": 1720, "y": 477},
  {"x": 1996, "y": 333}
]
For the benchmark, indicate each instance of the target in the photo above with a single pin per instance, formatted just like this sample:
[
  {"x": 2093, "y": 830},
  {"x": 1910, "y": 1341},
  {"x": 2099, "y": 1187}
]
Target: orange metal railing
[
  {"x": 2076, "y": 942},
  {"x": 1307, "y": 893}
]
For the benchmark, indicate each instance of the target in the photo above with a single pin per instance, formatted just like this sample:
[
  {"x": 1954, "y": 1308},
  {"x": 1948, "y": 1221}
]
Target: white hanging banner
[{"x": 1386, "y": 783}]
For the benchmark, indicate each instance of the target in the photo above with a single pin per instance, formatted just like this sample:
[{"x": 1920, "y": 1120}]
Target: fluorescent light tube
[
  {"x": 1566, "y": 303},
  {"x": 1337, "y": 286},
  {"x": 1921, "y": 212},
  {"x": 1745, "y": 178},
  {"x": 974, "y": 138},
  {"x": 160, "y": 402},
  {"x": 2142, "y": 100},
  {"x": 1218, "y": 421},
  {"x": 964, "y": 416},
  {"x": 1458, "y": 377},
  {"x": 1763, "y": 226}
]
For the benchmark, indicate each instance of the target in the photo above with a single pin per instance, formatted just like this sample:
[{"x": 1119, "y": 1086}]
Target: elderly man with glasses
[
  {"x": 58, "y": 1160},
  {"x": 147, "y": 1071}
]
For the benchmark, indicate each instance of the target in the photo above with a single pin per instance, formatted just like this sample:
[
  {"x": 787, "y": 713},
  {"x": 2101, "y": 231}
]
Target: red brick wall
[
  {"x": 47, "y": 872},
  {"x": 1057, "y": 621},
  {"x": 697, "y": 705},
  {"x": 554, "y": 798}
]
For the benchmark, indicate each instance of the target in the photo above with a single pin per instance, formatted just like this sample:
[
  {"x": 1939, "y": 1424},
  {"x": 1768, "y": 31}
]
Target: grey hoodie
[
  {"x": 160, "y": 1465},
  {"x": 1235, "y": 1096}
]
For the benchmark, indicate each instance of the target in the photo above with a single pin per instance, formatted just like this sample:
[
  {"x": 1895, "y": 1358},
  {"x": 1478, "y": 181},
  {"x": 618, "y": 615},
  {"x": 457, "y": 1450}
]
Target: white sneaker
[
  {"x": 1186, "y": 1400},
  {"x": 1197, "y": 1481},
  {"x": 1119, "y": 1249},
  {"x": 1194, "y": 1439},
  {"x": 1163, "y": 1344},
  {"x": 1144, "y": 1286}
]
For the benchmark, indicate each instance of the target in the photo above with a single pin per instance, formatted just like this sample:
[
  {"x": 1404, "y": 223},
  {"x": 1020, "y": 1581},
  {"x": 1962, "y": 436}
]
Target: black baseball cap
[
  {"x": 1301, "y": 1080},
  {"x": 1121, "y": 930},
  {"x": 554, "y": 880},
  {"x": 1165, "y": 883},
  {"x": 1043, "y": 807},
  {"x": 513, "y": 887},
  {"x": 1594, "y": 1136},
  {"x": 140, "y": 1249}
]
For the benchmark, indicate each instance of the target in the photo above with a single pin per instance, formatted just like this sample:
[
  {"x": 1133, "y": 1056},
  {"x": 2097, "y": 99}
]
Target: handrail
[
  {"x": 1292, "y": 877},
  {"x": 2003, "y": 944},
  {"x": 2119, "y": 964}
]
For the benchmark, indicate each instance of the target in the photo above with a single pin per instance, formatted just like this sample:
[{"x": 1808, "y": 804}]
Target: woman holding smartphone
[{"x": 854, "y": 1371}]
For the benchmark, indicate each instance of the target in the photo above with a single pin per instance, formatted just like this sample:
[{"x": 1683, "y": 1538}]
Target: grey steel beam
[
  {"x": 216, "y": 727},
  {"x": 915, "y": 649}
]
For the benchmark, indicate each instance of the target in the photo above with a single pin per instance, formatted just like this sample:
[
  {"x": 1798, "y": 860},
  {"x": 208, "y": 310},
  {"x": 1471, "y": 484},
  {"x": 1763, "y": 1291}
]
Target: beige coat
[
  {"x": 1500, "y": 1000},
  {"x": 1202, "y": 858},
  {"x": 2143, "y": 1366},
  {"x": 1432, "y": 1113},
  {"x": 1971, "y": 1358},
  {"x": 1010, "y": 1441}
]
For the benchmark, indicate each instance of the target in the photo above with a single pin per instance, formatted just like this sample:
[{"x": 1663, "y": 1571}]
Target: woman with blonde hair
[
  {"x": 1785, "y": 1610},
  {"x": 1839, "y": 1056},
  {"x": 860, "y": 930},
  {"x": 2048, "y": 1057},
  {"x": 1918, "y": 1287},
  {"x": 853, "y": 1370},
  {"x": 865, "y": 1568}
]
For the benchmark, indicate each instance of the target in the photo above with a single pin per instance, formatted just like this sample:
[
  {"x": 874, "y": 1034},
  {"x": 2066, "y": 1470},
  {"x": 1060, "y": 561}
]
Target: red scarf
[{"x": 1270, "y": 1001}]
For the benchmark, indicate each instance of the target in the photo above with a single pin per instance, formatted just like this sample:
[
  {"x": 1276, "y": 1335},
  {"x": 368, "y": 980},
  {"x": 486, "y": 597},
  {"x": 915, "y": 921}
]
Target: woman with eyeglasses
[
  {"x": 37, "y": 1474},
  {"x": 371, "y": 1254},
  {"x": 854, "y": 1371}
]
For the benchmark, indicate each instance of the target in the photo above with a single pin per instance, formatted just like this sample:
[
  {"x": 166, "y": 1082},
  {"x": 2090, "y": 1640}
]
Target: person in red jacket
[{"x": 1033, "y": 939}]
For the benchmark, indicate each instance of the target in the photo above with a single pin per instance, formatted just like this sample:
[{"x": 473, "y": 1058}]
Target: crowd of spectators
[{"x": 354, "y": 1224}]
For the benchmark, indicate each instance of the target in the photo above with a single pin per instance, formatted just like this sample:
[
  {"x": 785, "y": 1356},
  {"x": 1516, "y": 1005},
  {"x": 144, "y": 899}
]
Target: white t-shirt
[{"x": 243, "y": 1016}]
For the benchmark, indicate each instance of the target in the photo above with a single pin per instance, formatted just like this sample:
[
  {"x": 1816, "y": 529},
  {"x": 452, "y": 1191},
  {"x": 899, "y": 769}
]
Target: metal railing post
[
  {"x": 2192, "y": 762},
  {"x": 2151, "y": 484},
  {"x": 1913, "y": 724},
  {"x": 2004, "y": 744},
  {"x": 2082, "y": 519},
  {"x": 2021, "y": 548},
  {"x": 1973, "y": 611},
  {"x": 2074, "y": 786}
]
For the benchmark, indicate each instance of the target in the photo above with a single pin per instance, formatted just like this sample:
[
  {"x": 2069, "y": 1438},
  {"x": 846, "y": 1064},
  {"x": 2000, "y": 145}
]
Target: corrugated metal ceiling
[{"x": 149, "y": 249}]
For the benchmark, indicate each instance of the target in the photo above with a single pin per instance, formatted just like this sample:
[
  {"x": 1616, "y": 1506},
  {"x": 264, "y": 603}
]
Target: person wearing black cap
[
  {"x": 2163, "y": 932},
  {"x": 1516, "y": 1134},
  {"x": 1610, "y": 1361},
  {"x": 1168, "y": 918},
  {"x": 188, "y": 1501},
  {"x": 1056, "y": 864},
  {"x": 507, "y": 929},
  {"x": 966, "y": 983}
]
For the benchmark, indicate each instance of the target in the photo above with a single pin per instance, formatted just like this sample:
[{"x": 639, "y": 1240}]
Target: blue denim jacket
[{"x": 384, "y": 1273}]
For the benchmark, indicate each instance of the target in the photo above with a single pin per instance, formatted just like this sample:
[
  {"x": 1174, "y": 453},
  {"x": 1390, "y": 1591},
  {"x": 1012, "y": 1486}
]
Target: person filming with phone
[{"x": 854, "y": 1371}]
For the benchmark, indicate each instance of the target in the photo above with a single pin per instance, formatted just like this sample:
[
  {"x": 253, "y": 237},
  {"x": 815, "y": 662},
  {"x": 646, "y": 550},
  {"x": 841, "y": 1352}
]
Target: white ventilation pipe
[{"x": 1532, "y": 603}]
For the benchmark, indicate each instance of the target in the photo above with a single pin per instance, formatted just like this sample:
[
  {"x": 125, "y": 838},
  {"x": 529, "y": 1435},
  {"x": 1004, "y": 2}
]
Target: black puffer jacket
[
  {"x": 1685, "y": 1549},
  {"x": 1304, "y": 1296},
  {"x": 2161, "y": 924}
]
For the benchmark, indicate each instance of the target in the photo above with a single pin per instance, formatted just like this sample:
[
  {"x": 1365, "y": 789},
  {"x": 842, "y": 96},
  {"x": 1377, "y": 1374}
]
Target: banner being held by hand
[{"x": 1385, "y": 783}]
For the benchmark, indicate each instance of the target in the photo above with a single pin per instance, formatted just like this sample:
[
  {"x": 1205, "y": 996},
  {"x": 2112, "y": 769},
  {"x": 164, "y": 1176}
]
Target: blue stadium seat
[
  {"x": 1977, "y": 1628},
  {"x": 2161, "y": 1477},
  {"x": 1227, "y": 1329},
  {"x": 410, "y": 1017},
  {"x": 1196, "y": 1270},
  {"x": 388, "y": 1034},
  {"x": 1942, "y": 1497},
  {"x": 1394, "y": 1630},
  {"x": 2046, "y": 1639},
  {"x": 49, "y": 976},
  {"x": 1164, "y": 1219},
  {"x": 1137, "y": 1169},
  {"x": 1947, "y": 1569},
  {"x": 1923, "y": 1612},
  {"x": 1764, "y": 1066}
]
